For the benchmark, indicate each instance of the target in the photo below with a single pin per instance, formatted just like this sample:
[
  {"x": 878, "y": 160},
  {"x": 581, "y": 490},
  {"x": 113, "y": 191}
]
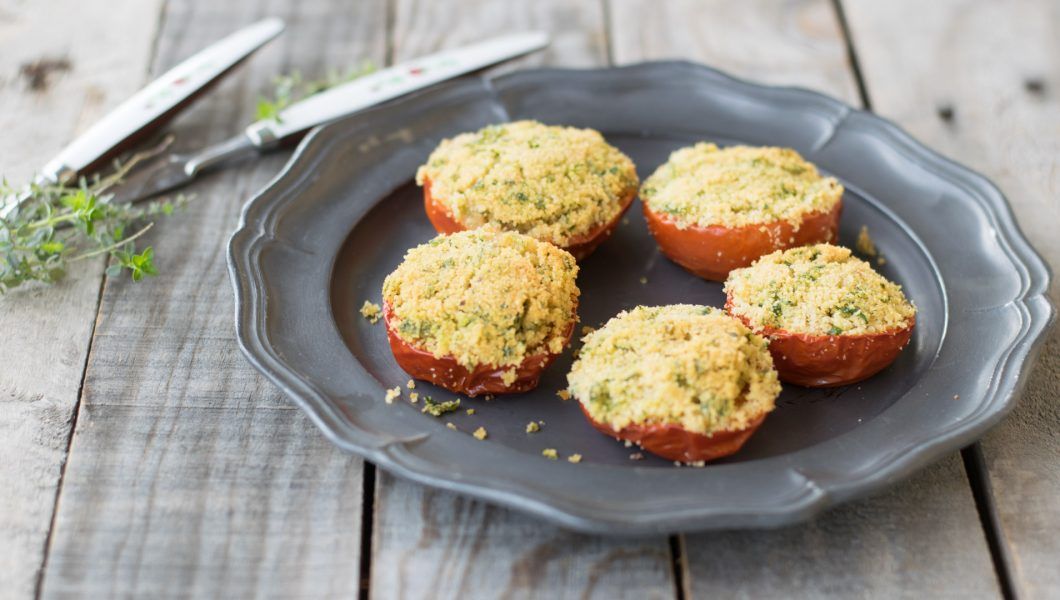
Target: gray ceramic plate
[{"x": 319, "y": 240}]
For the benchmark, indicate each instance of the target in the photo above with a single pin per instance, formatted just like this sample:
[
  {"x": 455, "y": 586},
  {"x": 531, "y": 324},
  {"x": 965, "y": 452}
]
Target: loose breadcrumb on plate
[
  {"x": 574, "y": 458},
  {"x": 480, "y": 433},
  {"x": 371, "y": 312},
  {"x": 437, "y": 409},
  {"x": 864, "y": 243},
  {"x": 532, "y": 427},
  {"x": 550, "y": 453},
  {"x": 392, "y": 394}
]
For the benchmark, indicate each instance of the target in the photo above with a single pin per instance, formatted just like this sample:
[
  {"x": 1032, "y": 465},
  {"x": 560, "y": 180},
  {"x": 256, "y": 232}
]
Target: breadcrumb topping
[
  {"x": 820, "y": 289},
  {"x": 484, "y": 298},
  {"x": 704, "y": 185},
  {"x": 683, "y": 364},
  {"x": 371, "y": 312},
  {"x": 553, "y": 183}
]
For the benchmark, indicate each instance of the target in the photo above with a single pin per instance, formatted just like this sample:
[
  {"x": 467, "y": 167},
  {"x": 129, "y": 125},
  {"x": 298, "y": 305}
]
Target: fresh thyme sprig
[
  {"x": 291, "y": 88},
  {"x": 54, "y": 227}
]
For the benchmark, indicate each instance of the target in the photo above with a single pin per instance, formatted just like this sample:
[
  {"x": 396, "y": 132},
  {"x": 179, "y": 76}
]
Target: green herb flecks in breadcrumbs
[
  {"x": 552, "y": 183},
  {"x": 705, "y": 185}
]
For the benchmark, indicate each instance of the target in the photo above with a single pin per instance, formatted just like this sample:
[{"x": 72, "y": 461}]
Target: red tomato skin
[
  {"x": 673, "y": 442},
  {"x": 446, "y": 372},
  {"x": 815, "y": 360},
  {"x": 712, "y": 251}
]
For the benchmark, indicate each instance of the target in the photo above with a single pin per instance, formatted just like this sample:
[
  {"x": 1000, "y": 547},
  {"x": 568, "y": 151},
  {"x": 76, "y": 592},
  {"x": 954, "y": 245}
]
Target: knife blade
[
  {"x": 178, "y": 169},
  {"x": 152, "y": 106}
]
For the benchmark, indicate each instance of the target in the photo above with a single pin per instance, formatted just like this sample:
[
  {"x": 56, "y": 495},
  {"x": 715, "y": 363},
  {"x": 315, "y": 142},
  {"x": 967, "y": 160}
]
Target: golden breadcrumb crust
[
  {"x": 552, "y": 183},
  {"x": 483, "y": 297},
  {"x": 686, "y": 365},
  {"x": 820, "y": 289},
  {"x": 703, "y": 185}
]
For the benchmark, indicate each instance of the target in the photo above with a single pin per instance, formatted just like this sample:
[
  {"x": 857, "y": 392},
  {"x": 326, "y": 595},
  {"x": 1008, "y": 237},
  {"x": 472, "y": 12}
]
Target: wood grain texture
[
  {"x": 776, "y": 42},
  {"x": 189, "y": 475},
  {"x": 58, "y": 74},
  {"x": 433, "y": 544},
  {"x": 578, "y": 38},
  {"x": 922, "y": 539},
  {"x": 980, "y": 82}
]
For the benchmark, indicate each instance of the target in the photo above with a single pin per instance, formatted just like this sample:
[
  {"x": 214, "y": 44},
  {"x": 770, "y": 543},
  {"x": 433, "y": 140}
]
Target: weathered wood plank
[
  {"x": 921, "y": 539},
  {"x": 189, "y": 475},
  {"x": 980, "y": 81},
  {"x": 432, "y": 544},
  {"x": 578, "y": 38},
  {"x": 781, "y": 43},
  {"x": 62, "y": 65}
]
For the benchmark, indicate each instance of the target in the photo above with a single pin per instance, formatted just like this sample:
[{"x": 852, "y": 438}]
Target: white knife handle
[
  {"x": 391, "y": 83},
  {"x": 159, "y": 100}
]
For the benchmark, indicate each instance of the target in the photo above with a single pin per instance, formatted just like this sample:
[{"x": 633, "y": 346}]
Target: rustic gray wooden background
[{"x": 141, "y": 456}]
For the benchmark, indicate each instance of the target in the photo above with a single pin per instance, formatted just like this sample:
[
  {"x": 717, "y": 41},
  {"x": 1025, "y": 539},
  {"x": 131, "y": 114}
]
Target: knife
[
  {"x": 178, "y": 169},
  {"x": 151, "y": 107}
]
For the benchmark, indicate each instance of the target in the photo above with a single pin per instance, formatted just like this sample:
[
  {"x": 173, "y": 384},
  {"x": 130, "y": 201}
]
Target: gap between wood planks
[
  {"x": 972, "y": 456},
  {"x": 38, "y": 584},
  {"x": 368, "y": 478},
  {"x": 69, "y": 439}
]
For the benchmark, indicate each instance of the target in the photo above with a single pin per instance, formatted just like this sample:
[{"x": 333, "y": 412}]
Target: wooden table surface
[{"x": 142, "y": 456}]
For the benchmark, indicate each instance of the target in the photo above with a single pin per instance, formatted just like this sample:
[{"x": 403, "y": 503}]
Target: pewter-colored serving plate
[{"x": 318, "y": 241}]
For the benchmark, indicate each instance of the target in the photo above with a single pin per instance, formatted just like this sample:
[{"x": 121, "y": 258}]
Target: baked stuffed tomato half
[
  {"x": 481, "y": 312},
  {"x": 830, "y": 319},
  {"x": 687, "y": 383},
  {"x": 561, "y": 185},
  {"x": 712, "y": 210}
]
